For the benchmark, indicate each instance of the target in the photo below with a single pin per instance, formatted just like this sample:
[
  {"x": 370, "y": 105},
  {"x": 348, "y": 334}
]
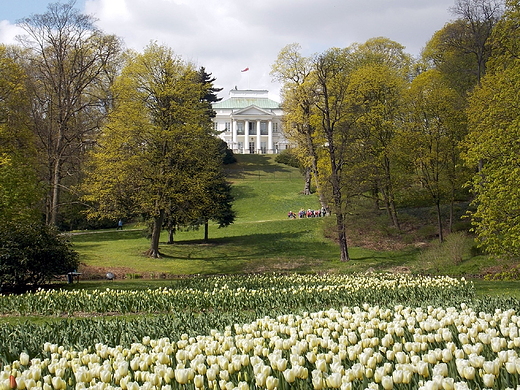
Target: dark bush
[
  {"x": 32, "y": 255},
  {"x": 288, "y": 157},
  {"x": 228, "y": 157}
]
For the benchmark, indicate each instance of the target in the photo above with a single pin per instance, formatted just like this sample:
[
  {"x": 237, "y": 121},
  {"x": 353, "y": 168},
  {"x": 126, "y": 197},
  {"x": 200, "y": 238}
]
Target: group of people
[{"x": 309, "y": 213}]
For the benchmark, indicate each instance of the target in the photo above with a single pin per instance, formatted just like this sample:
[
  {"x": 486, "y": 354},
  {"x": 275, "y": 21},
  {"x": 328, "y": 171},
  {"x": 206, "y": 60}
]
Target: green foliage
[
  {"x": 228, "y": 155},
  {"x": 70, "y": 65},
  {"x": 197, "y": 305},
  {"x": 511, "y": 274},
  {"x": 445, "y": 52},
  {"x": 288, "y": 157},
  {"x": 452, "y": 251},
  {"x": 493, "y": 146},
  {"x": 157, "y": 155},
  {"x": 428, "y": 143},
  {"x": 19, "y": 191},
  {"x": 33, "y": 254}
]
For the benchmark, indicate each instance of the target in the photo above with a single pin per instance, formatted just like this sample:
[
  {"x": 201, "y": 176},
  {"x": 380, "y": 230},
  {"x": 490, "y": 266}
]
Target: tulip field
[{"x": 276, "y": 331}]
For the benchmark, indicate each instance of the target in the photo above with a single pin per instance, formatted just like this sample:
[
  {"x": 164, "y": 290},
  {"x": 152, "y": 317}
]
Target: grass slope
[{"x": 262, "y": 239}]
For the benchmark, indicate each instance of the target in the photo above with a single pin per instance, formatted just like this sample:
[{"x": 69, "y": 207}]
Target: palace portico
[{"x": 250, "y": 122}]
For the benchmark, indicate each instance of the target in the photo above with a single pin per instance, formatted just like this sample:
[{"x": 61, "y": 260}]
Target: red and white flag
[{"x": 245, "y": 70}]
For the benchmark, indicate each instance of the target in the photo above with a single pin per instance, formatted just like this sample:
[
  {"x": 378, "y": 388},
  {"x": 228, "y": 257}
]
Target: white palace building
[{"x": 250, "y": 122}]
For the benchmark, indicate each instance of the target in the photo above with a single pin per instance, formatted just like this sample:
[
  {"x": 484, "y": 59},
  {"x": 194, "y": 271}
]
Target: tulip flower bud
[
  {"x": 198, "y": 380},
  {"x": 488, "y": 380},
  {"x": 334, "y": 380},
  {"x": 12, "y": 382},
  {"x": 387, "y": 382},
  {"x": 260, "y": 379},
  {"x": 469, "y": 373},
  {"x": 181, "y": 375},
  {"x": 271, "y": 383},
  {"x": 448, "y": 383}
]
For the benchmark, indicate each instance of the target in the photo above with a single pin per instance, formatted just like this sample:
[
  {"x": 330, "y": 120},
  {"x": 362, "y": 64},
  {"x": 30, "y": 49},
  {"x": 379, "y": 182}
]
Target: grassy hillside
[{"x": 263, "y": 239}]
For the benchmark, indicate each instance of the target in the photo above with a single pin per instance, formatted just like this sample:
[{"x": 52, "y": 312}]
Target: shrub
[
  {"x": 288, "y": 157},
  {"x": 228, "y": 157},
  {"x": 32, "y": 255},
  {"x": 450, "y": 252}
]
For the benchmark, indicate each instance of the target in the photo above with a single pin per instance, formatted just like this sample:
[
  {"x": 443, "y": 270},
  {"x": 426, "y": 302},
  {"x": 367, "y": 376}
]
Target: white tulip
[
  {"x": 24, "y": 359},
  {"x": 387, "y": 382},
  {"x": 271, "y": 383},
  {"x": 448, "y": 383},
  {"x": 181, "y": 375},
  {"x": 488, "y": 380},
  {"x": 198, "y": 381},
  {"x": 334, "y": 380}
]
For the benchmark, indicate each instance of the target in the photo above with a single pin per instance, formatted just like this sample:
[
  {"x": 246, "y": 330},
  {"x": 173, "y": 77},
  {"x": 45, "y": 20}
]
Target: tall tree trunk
[
  {"x": 342, "y": 236},
  {"x": 206, "y": 230},
  {"x": 452, "y": 215},
  {"x": 171, "y": 235},
  {"x": 156, "y": 235},
  {"x": 338, "y": 206},
  {"x": 394, "y": 214},
  {"x": 377, "y": 199},
  {"x": 388, "y": 207},
  {"x": 307, "y": 185},
  {"x": 389, "y": 193},
  {"x": 439, "y": 219},
  {"x": 314, "y": 169},
  {"x": 55, "y": 193}
]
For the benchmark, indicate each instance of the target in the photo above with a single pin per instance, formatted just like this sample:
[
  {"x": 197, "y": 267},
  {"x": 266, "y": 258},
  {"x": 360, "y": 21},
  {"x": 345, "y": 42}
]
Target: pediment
[{"x": 252, "y": 110}]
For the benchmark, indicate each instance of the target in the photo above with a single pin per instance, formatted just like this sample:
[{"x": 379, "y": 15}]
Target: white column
[
  {"x": 270, "y": 137},
  {"x": 246, "y": 136},
  {"x": 258, "y": 137},
  {"x": 234, "y": 134}
]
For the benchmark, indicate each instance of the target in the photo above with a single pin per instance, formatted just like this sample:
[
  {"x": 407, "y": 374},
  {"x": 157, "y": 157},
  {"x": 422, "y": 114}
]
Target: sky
[{"x": 228, "y": 36}]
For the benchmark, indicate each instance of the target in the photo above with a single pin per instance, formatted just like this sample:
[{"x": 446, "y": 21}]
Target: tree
[
  {"x": 327, "y": 107},
  {"x": 479, "y": 18},
  {"x": 458, "y": 66},
  {"x": 217, "y": 204},
  {"x": 157, "y": 152},
  {"x": 505, "y": 38},
  {"x": 335, "y": 121},
  {"x": 383, "y": 51},
  {"x": 207, "y": 81},
  {"x": 19, "y": 191},
  {"x": 70, "y": 66},
  {"x": 430, "y": 141},
  {"x": 295, "y": 72},
  {"x": 461, "y": 49},
  {"x": 376, "y": 89},
  {"x": 32, "y": 254},
  {"x": 492, "y": 143}
]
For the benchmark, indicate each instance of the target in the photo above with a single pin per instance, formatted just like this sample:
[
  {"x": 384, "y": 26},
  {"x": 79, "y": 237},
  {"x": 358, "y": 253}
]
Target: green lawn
[{"x": 262, "y": 239}]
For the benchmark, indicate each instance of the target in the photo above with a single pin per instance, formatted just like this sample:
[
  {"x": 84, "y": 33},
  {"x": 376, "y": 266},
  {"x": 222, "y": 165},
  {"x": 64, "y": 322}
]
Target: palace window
[
  {"x": 240, "y": 128},
  {"x": 252, "y": 128},
  {"x": 263, "y": 128}
]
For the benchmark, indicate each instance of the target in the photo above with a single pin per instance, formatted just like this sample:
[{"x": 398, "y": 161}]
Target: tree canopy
[
  {"x": 492, "y": 144},
  {"x": 156, "y": 153}
]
